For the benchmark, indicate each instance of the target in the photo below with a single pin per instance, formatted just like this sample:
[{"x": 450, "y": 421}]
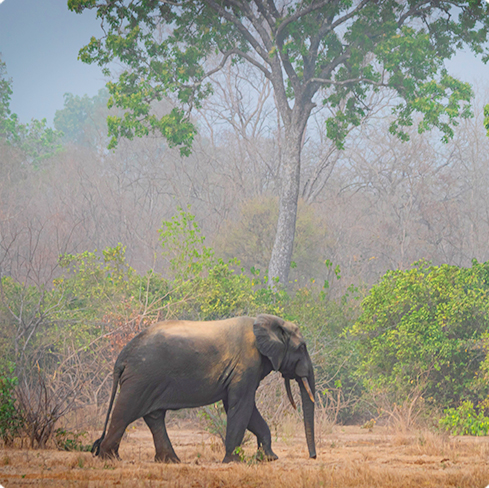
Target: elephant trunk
[{"x": 307, "y": 388}]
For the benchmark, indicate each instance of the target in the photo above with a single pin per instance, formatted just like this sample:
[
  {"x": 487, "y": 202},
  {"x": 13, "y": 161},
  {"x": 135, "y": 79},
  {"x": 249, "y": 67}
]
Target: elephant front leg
[
  {"x": 259, "y": 427},
  {"x": 239, "y": 410},
  {"x": 164, "y": 450}
]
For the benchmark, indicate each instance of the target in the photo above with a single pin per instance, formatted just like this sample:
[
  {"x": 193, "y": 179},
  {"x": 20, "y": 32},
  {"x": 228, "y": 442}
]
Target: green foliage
[
  {"x": 335, "y": 356},
  {"x": 183, "y": 246},
  {"x": 419, "y": 331},
  {"x": 486, "y": 118},
  {"x": 38, "y": 141},
  {"x": 93, "y": 281},
  {"x": 11, "y": 421},
  {"x": 422, "y": 330},
  {"x": 205, "y": 287},
  {"x": 465, "y": 420},
  {"x": 100, "y": 292}
]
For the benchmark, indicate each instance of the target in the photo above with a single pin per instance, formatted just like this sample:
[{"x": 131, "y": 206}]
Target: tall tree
[{"x": 313, "y": 51}]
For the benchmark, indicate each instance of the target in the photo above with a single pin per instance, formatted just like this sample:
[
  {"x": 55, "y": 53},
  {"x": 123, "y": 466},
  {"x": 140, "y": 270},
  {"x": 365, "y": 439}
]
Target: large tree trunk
[{"x": 281, "y": 257}]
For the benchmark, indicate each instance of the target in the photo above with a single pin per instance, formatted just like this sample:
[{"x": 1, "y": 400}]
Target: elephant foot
[
  {"x": 262, "y": 455},
  {"x": 232, "y": 458},
  {"x": 167, "y": 458}
]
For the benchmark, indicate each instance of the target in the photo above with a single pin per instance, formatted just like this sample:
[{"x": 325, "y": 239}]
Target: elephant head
[{"x": 282, "y": 343}]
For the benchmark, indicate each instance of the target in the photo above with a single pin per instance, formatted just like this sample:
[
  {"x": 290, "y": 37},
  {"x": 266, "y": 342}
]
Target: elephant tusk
[
  {"x": 308, "y": 388},
  {"x": 289, "y": 393}
]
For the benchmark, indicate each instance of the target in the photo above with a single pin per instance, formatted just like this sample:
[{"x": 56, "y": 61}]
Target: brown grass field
[{"x": 347, "y": 456}]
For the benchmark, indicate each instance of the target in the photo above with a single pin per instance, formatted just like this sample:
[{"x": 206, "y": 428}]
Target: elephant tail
[{"x": 118, "y": 369}]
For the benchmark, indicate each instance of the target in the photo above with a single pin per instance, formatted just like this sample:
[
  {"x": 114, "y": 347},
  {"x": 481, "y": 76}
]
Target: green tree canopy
[{"x": 313, "y": 52}]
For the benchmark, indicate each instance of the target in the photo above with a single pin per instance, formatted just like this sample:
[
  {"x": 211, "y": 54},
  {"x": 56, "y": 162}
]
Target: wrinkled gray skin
[{"x": 181, "y": 364}]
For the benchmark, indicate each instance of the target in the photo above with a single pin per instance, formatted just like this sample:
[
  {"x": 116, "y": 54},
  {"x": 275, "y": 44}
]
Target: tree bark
[{"x": 281, "y": 257}]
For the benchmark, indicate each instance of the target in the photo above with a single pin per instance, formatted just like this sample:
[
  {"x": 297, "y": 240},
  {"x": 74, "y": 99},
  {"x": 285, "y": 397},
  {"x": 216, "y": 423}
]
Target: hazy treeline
[{"x": 378, "y": 204}]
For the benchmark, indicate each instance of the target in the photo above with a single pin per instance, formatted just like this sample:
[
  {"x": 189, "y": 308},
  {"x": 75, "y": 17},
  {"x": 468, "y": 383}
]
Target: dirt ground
[{"x": 347, "y": 456}]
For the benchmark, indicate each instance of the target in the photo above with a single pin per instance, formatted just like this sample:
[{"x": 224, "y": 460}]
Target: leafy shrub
[
  {"x": 11, "y": 421},
  {"x": 465, "y": 420},
  {"x": 421, "y": 330}
]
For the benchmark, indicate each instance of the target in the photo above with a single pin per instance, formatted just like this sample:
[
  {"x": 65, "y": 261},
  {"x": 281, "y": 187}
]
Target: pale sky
[{"x": 40, "y": 40}]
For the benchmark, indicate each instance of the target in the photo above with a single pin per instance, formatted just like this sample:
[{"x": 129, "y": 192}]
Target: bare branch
[{"x": 347, "y": 82}]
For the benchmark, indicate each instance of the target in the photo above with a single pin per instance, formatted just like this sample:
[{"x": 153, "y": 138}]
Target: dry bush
[
  {"x": 272, "y": 401},
  {"x": 42, "y": 404},
  {"x": 402, "y": 417}
]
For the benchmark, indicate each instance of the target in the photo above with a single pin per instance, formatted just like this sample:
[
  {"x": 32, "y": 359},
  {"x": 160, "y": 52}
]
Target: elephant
[{"x": 178, "y": 364}]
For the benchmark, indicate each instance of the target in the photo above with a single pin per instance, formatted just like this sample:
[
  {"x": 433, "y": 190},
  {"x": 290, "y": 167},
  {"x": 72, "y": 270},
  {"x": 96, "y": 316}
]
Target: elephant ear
[{"x": 271, "y": 338}]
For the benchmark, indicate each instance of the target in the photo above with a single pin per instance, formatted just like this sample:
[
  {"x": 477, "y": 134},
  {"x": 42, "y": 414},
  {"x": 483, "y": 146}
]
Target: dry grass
[{"x": 347, "y": 457}]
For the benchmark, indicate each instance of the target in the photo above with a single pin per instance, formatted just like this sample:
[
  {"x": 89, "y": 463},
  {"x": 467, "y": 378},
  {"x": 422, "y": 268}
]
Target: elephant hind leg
[
  {"x": 126, "y": 410},
  {"x": 108, "y": 447},
  {"x": 164, "y": 450}
]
